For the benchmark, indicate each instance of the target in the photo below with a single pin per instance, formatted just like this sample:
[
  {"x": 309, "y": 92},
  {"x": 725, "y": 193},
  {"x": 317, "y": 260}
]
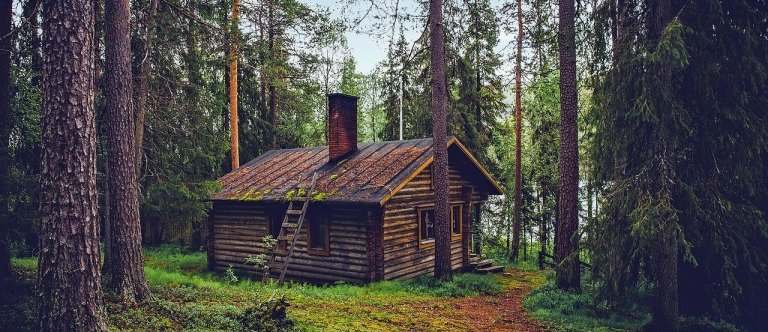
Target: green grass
[
  {"x": 186, "y": 296},
  {"x": 579, "y": 312},
  {"x": 190, "y": 297}
]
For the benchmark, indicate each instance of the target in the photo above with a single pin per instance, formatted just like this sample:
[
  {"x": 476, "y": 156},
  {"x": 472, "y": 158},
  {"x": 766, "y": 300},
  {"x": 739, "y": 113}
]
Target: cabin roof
[{"x": 372, "y": 174}]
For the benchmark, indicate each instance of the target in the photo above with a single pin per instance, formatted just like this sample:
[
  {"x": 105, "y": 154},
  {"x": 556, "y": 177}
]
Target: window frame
[
  {"x": 326, "y": 220},
  {"x": 428, "y": 243},
  {"x": 457, "y": 236}
]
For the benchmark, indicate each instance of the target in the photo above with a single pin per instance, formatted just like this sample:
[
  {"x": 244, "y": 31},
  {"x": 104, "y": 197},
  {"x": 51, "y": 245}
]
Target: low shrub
[
  {"x": 267, "y": 316},
  {"x": 581, "y": 312}
]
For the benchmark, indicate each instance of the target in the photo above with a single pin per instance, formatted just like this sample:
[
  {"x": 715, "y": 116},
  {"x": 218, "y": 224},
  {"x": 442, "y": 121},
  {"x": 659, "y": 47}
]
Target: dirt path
[{"x": 504, "y": 311}]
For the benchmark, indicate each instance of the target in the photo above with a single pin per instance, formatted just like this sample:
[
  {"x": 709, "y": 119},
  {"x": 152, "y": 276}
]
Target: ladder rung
[
  {"x": 295, "y": 212},
  {"x": 285, "y": 237},
  {"x": 290, "y": 225},
  {"x": 299, "y": 198}
]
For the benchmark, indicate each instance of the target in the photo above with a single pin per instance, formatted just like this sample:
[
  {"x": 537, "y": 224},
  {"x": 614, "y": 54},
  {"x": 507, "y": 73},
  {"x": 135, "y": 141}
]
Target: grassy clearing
[
  {"x": 186, "y": 296},
  {"x": 189, "y": 296}
]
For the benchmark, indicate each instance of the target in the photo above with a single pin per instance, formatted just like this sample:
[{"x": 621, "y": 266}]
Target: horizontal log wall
[
  {"x": 402, "y": 257},
  {"x": 239, "y": 227}
]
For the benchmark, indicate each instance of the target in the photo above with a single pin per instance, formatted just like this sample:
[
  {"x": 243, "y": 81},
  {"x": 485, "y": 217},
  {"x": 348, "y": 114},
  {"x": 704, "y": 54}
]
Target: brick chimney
[{"x": 342, "y": 126}]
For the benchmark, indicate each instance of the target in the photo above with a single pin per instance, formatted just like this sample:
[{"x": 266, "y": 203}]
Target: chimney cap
[{"x": 339, "y": 94}]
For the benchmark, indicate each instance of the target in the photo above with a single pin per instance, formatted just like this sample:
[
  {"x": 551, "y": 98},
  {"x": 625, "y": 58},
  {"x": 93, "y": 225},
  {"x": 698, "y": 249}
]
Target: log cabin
[{"x": 370, "y": 214}]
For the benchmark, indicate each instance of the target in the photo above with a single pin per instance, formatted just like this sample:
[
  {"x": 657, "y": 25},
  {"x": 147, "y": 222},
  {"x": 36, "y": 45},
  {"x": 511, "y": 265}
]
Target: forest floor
[{"x": 188, "y": 297}]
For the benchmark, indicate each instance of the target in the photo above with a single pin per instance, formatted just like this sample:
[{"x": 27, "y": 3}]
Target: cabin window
[
  {"x": 319, "y": 235},
  {"x": 426, "y": 226},
  {"x": 456, "y": 222},
  {"x": 275, "y": 222}
]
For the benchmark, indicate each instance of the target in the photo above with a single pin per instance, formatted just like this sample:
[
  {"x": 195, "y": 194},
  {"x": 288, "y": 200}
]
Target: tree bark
[
  {"x": 518, "y": 133},
  {"x": 543, "y": 231},
  {"x": 666, "y": 307},
  {"x": 233, "y": 122},
  {"x": 126, "y": 273},
  {"x": 142, "y": 95},
  {"x": 439, "y": 141},
  {"x": 6, "y": 23},
  {"x": 568, "y": 273},
  {"x": 69, "y": 277}
]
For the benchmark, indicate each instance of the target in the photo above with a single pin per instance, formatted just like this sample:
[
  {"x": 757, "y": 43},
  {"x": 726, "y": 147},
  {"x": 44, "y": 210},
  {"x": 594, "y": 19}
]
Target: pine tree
[
  {"x": 125, "y": 272},
  {"x": 518, "y": 134},
  {"x": 143, "y": 90},
  {"x": 567, "y": 250},
  {"x": 439, "y": 141},
  {"x": 680, "y": 147},
  {"x": 69, "y": 278},
  {"x": 6, "y": 23},
  {"x": 233, "y": 49}
]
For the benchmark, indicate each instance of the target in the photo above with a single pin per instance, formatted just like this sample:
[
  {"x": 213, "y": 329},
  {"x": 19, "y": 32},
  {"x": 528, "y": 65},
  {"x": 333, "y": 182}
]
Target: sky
[{"x": 369, "y": 49}]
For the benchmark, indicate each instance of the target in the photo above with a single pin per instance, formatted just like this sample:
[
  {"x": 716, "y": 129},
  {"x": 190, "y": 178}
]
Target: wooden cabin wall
[
  {"x": 238, "y": 228},
  {"x": 402, "y": 257}
]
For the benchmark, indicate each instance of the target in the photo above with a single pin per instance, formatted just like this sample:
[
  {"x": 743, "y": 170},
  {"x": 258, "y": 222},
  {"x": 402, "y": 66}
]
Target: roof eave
[{"x": 453, "y": 140}]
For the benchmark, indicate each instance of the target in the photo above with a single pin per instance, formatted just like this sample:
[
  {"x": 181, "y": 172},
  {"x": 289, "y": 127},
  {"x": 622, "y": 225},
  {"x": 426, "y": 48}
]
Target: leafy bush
[
  {"x": 229, "y": 276},
  {"x": 267, "y": 316}
]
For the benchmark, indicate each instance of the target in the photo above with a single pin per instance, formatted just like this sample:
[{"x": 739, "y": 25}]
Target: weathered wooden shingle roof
[{"x": 370, "y": 175}]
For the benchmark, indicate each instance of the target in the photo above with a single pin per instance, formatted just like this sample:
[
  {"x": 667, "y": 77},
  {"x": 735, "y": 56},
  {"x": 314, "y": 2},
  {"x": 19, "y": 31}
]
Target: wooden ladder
[{"x": 289, "y": 231}]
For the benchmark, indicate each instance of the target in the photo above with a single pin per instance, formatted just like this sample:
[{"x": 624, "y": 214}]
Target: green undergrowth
[
  {"x": 188, "y": 296},
  {"x": 581, "y": 312},
  {"x": 528, "y": 258}
]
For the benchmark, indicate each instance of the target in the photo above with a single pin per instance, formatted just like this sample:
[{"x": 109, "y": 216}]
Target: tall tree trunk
[
  {"x": 126, "y": 273},
  {"x": 6, "y": 23},
  {"x": 144, "y": 70},
  {"x": 272, "y": 91},
  {"x": 233, "y": 122},
  {"x": 439, "y": 141},
  {"x": 666, "y": 308},
  {"x": 568, "y": 273},
  {"x": 589, "y": 195},
  {"x": 69, "y": 277},
  {"x": 544, "y": 235},
  {"x": 518, "y": 133}
]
